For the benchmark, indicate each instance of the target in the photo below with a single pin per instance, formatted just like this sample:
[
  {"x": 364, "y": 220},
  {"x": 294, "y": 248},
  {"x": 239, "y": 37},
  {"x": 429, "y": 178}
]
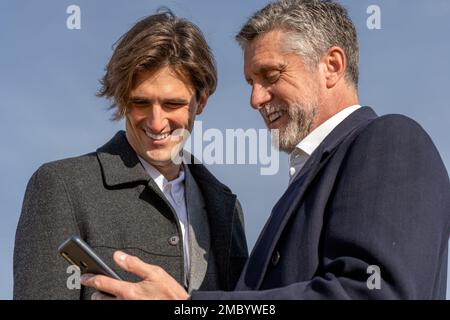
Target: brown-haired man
[{"x": 130, "y": 194}]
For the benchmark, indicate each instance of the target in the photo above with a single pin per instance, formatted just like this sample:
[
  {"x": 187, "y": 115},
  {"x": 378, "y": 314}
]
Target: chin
[{"x": 158, "y": 157}]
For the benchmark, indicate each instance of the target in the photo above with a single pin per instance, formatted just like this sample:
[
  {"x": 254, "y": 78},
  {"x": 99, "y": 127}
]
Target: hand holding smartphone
[{"x": 77, "y": 252}]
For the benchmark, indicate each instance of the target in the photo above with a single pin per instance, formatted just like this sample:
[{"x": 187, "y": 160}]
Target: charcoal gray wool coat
[{"x": 108, "y": 199}]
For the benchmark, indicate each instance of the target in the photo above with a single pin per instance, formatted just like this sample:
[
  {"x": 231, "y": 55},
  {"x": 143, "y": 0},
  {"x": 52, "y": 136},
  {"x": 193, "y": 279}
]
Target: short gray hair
[{"x": 312, "y": 27}]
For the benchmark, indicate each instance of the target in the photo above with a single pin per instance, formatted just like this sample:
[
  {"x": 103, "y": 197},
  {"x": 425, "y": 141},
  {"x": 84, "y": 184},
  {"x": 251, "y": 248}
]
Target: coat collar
[
  {"x": 121, "y": 166},
  {"x": 354, "y": 121},
  {"x": 258, "y": 262},
  {"x": 119, "y": 162}
]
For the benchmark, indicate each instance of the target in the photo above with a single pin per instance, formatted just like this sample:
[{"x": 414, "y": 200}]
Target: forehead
[
  {"x": 265, "y": 51},
  {"x": 164, "y": 80}
]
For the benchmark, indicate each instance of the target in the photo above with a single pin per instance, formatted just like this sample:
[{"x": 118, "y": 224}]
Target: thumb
[{"x": 132, "y": 264}]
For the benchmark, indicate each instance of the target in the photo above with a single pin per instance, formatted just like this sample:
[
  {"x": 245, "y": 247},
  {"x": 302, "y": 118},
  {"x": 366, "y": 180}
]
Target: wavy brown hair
[{"x": 154, "y": 42}]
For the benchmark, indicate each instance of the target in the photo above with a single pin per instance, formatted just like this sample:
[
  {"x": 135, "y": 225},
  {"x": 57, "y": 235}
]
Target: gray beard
[{"x": 301, "y": 118}]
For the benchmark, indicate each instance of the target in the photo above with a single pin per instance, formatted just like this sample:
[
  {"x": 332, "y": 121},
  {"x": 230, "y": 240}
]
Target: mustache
[{"x": 269, "y": 108}]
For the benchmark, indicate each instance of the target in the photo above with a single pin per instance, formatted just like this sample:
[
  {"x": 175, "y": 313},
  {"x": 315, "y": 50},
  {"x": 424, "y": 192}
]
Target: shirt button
[
  {"x": 173, "y": 240},
  {"x": 275, "y": 258},
  {"x": 291, "y": 171}
]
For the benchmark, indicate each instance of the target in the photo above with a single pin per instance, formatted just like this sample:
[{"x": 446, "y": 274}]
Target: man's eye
[
  {"x": 174, "y": 105},
  {"x": 272, "y": 77}
]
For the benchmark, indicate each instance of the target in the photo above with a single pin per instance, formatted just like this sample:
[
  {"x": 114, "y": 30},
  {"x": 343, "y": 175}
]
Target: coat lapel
[
  {"x": 220, "y": 203},
  {"x": 253, "y": 274},
  {"x": 199, "y": 244}
]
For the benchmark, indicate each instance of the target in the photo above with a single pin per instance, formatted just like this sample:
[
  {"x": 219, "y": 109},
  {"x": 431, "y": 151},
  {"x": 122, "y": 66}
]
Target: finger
[
  {"x": 134, "y": 265},
  {"x": 86, "y": 276},
  {"x": 85, "y": 279},
  {"x": 106, "y": 284},
  {"x": 101, "y": 296}
]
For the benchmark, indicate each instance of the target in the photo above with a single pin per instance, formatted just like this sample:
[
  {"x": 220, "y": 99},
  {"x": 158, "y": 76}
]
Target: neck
[
  {"x": 335, "y": 103},
  {"x": 169, "y": 171}
]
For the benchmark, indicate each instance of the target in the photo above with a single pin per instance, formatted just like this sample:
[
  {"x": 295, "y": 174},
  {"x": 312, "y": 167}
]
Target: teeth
[
  {"x": 269, "y": 108},
  {"x": 275, "y": 116},
  {"x": 160, "y": 136}
]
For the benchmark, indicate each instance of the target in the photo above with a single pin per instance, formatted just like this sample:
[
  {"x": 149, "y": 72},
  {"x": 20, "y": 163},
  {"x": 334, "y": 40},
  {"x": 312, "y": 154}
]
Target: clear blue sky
[{"x": 49, "y": 76}]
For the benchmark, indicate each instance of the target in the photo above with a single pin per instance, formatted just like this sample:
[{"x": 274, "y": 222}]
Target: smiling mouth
[
  {"x": 272, "y": 113},
  {"x": 157, "y": 137},
  {"x": 275, "y": 116}
]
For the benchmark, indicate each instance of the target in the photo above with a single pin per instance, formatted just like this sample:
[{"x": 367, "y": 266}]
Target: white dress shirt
[
  {"x": 306, "y": 147},
  {"x": 174, "y": 192}
]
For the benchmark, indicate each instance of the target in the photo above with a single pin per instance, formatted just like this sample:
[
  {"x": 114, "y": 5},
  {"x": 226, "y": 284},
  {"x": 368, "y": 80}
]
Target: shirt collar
[
  {"x": 159, "y": 178},
  {"x": 310, "y": 143}
]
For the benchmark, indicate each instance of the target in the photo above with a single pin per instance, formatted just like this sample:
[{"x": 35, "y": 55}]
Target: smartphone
[{"x": 77, "y": 252}]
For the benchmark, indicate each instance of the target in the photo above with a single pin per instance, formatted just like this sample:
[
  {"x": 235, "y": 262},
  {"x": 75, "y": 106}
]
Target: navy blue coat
[{"x": 375, "y": 192}]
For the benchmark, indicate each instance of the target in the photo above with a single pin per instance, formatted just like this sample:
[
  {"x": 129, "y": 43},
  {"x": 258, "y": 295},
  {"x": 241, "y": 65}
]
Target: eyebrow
[
  {"x": 176, "y": 101},
  {"x": 267, "y": 67},
  {"x": 262, "y": 68},
  {"x": 138, "y": 99}
]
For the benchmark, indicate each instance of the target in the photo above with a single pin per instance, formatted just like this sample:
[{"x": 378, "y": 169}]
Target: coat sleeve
[
  {"x": 46, "y": 221},
  {"x": 389, "y": 208}
]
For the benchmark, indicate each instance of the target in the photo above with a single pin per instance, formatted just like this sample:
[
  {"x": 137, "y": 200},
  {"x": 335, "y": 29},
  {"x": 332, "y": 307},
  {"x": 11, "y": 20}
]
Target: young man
[{"x": 132, "y": 194}]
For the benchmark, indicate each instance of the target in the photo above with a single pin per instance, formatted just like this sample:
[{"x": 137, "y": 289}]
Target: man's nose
[
  {"x": 156, "y": 120},
  {"x": 260, "y": 96}
]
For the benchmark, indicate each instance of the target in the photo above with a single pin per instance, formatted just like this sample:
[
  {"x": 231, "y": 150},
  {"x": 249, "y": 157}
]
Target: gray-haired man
[{"x": 366, "y": 213}]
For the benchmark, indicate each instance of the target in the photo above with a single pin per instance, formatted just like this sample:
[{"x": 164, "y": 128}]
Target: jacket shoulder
[
  {"x": 394, "y": 123},
  {"x": 74, "y": 167},
  {"x": 393, "y": 131}
]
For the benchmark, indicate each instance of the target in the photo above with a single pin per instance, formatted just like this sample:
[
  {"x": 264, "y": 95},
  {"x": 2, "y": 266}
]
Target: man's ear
[
  {"x": 335, "y": 63},
  {"x": 202, "y": 103}
]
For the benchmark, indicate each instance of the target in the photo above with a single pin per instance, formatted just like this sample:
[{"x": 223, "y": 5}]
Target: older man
[
  {"x": 366, "y": 213},
  {"x": 133, "y": 193}
]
